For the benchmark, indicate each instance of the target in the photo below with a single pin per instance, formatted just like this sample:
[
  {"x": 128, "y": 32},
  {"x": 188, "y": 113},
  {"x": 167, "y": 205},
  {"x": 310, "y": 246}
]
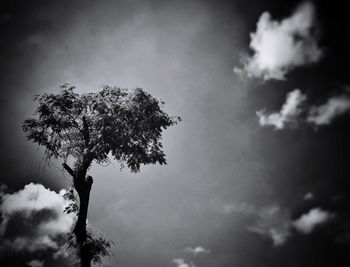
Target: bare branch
[{"x": 69, "y": 170}]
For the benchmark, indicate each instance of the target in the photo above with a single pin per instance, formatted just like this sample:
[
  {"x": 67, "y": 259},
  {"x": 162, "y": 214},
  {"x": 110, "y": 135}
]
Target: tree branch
[
  {"x": 86, "y": 131},
  {"x": 69, "y": 170}
]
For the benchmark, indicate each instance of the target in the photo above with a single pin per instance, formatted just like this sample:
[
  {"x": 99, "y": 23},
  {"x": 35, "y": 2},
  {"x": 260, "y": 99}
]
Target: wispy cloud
[
  {"x": 35, "y": 263},
  {"x": 33, "y": 219},
  {"x": 180, "y": 262},
  {"x": 309, "y": 196},
  {"x": 273, "y": 223},
  {"x": 197, "y": 250},
  {"x": 244, "y": 208},
  {"x": 288, "y": 115},
  {"x": 326, "y": 113},
  {"x": 281, "y": 46},
  {"x": 309, "y": 221}
]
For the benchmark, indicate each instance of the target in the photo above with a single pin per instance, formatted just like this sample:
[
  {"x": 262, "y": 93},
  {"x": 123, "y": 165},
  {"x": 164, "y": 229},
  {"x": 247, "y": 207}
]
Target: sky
[{"x": 257, "y": 171}]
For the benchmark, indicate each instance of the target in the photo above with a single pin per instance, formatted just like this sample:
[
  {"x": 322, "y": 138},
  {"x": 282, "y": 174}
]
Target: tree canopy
[{"x": 126, "y": 124}]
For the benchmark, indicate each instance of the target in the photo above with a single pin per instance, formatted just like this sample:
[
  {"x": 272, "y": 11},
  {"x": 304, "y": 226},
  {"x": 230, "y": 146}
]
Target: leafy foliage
[
  {"x": 72, "y": 207},
  {"x": 97, "y": 245},
  {"x": 126, "y": 123}
]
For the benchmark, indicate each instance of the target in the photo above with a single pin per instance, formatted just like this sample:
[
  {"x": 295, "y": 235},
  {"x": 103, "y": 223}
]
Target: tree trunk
[{"x": 83, "y": 187}]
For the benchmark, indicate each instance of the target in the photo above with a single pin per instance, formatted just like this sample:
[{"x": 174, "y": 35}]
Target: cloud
[
  {"x": 62, "y": 252},
  {"x": 324, "y": 114},
  {"x": 35, "y": 263},
  {"x": 293, "y": 107},
  {"x": 288, "y": 114},
  {"x": 272, "y": 223},
  {"x": 180, "y": 262},
  {"x": 33, "y": 219},
  {"x": 278, "y": 235},
  {"x": 281, "y": 46},
  {"x": 239, "y": 208},
  {"x": 197, "y": 250},
  {"x": 309, "y": 196},
  {"x": 309, "y": 221}
]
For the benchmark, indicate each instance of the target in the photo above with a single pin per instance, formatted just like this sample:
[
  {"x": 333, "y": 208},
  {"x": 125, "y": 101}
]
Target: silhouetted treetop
[{"x": 126, "y": 123}]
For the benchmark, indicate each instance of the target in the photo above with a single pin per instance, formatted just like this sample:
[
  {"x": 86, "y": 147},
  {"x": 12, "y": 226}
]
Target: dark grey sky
[{"x": 219, "y": 157}]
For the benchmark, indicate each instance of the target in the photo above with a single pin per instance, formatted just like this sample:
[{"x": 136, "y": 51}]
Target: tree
[{"x": 84, "y": 128}]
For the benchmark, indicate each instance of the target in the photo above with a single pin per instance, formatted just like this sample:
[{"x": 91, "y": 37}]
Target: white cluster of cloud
[
  {"x": 180, "y": 262},
  {"x": 309, "y": 221},
  {"x": 38, "y": 218},
  {"x": 197, "y": 250},
  {"x": 292, "y": 108},
  {"x": 275, "y": 223},
  {"x": 289, "y": 113},
  {"x": 194, "y": 251},
  {"x": 280, "y": 46},
  {"x": 324, "y": 114}
]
